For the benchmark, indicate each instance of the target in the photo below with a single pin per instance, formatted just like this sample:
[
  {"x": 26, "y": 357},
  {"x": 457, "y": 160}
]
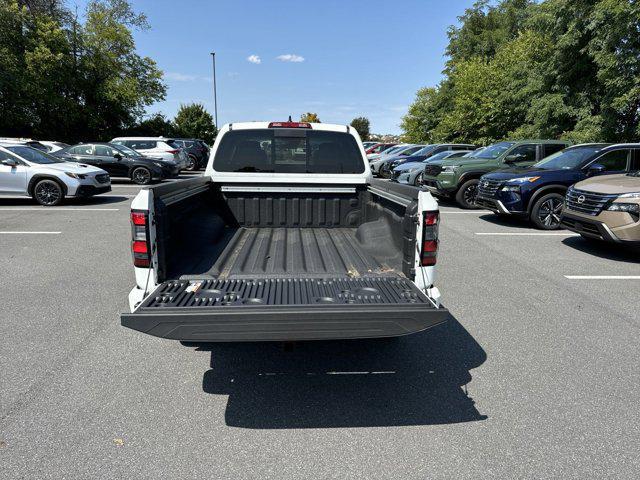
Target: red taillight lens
[
  {"x": 173, "y": 152},
  {"x": 429, "y": 253},
  {"x": 140, "y": 239}
]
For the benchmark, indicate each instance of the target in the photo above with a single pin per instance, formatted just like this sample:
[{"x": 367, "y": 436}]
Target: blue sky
[{"x": 340, "y": 59}]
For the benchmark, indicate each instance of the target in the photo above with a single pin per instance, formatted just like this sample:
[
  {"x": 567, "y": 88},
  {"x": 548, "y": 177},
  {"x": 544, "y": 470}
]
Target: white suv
[
  {"x": 159, "y": 147},
  {"x": 26, "y": 171}
]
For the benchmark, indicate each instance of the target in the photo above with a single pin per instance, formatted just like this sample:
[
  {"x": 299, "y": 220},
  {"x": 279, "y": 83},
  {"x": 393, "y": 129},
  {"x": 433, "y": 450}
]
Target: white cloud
[
  {"x": 254, "y": 59},
  {"x": 290, "y": 57},
  {"x": 179, "y": 77}
]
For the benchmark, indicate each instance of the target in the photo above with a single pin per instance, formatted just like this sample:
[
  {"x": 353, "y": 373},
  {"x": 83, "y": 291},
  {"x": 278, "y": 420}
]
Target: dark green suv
[{"x": 459, "y": 177}]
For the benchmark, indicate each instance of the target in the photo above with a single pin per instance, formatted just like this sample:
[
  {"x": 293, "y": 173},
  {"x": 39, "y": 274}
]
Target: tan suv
[{"x": 605, "y": 208}]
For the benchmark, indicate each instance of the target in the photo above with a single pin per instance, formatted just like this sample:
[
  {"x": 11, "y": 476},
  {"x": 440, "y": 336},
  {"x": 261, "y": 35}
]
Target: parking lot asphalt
[{"x": 536, "y": 375}]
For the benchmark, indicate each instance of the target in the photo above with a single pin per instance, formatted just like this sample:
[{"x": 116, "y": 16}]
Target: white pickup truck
[{"x": 286, "y": 237}]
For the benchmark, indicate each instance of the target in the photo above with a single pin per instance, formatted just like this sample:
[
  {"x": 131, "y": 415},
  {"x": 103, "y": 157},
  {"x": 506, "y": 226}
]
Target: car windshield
[
  {"x": 288, "y": 151},
  {"x": 424, "y": 150},
  {"x": 34, "y": 156},
  {"x": 567, "y": 159},
  {"x": 126, "y": 150},
  {"x": 438, "y": 156},
  {"x": 393, "y": 150},
  {"x": 492, "y": 151}
]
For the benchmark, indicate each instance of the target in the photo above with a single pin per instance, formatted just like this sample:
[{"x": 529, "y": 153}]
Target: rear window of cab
[{"x": 284, "y": 150}]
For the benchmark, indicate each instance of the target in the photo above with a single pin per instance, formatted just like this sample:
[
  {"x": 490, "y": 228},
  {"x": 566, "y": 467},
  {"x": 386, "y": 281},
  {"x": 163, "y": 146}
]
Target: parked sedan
[
  {"x": 405, "y": 151},
  {"x": 411, "y": 172},
  {"x": 197, "y": 151},
  {"x": 120, "y": 161},
  {"x": 26, "y": 171}
]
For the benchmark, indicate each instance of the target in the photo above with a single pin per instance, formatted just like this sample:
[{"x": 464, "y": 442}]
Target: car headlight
[
  {"x": 79, "y": 176},
  {"x": 524, "y": 179},
  {"x": 449, "y": 169},
  {"x": 624, "y": 207},
  {"x": 630, "y": 195},
  {"x": 511, "y": 188}
]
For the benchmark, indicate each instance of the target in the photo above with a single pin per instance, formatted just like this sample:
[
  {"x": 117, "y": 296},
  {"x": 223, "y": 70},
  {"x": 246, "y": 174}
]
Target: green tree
[
  {"x": 310, "y": 117},
  {"x": 154, "y": 125},
  {"x": 193, "y": 121},
  {"x": 68, "y": 80},
  {"x": 362, "y": 126}
]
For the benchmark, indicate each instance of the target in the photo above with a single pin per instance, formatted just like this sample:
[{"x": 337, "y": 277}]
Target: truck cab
[{"x": 286, "y": 237}]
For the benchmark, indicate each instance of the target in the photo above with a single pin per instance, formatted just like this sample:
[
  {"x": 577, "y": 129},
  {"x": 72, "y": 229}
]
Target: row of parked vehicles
[
  {"x": 49, "y": 171},
  {"x": 592, "y": 189}
]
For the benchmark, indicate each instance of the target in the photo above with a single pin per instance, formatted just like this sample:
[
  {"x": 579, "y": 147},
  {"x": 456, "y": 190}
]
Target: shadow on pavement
[
  {"x": 607, "y": 251},
  {"x": 507, "y": 221},
  {"x": 415, "y": 380}
]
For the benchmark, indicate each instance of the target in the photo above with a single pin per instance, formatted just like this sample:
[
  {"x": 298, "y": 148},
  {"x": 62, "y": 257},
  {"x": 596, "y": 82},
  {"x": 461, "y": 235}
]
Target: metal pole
[{"x": 215, "y": 95}]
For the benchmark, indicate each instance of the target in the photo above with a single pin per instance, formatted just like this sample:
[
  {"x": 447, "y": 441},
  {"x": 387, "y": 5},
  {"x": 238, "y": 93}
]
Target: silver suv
[{"x": 26, "y": 171}]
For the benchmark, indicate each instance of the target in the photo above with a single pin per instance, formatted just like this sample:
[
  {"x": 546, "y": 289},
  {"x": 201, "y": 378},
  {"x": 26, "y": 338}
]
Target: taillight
[
  {"x": 173, "y": 152},
  {"x": 289, "y": 125},
  {"x": 429, "y": 252},
  {"x": 140, "y": 247}
]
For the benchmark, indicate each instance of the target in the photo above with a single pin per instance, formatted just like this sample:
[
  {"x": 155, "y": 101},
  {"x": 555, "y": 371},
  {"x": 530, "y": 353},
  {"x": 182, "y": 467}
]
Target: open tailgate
[{"x": 284, "y": 309}]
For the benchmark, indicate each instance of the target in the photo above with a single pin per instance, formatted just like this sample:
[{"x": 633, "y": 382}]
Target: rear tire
[
  {"x": 141, "y": 176},
  {"x": 192, "y": 163},
  {"x": 546, "y": 212},
  {"x": 466, "y": 194},
  {"x": 48, "y": 193}
]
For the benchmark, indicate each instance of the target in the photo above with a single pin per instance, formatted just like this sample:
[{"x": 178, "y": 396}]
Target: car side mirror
[
  {"x": 596, "y": 169},
  {"x": 10, "y": 162},
  {"x": 117, "y": 156},
  {"x": 513, "y": 158}
]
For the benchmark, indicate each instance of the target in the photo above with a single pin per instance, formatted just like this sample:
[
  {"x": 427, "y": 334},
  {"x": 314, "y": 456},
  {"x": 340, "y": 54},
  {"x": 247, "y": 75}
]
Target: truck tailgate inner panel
[{"x": 209, "y": 294}]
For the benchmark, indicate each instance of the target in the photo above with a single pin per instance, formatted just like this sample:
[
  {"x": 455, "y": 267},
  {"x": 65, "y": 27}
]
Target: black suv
[
  {"x": 120, "y": 161},
  {"x": 197, "y": 150}
]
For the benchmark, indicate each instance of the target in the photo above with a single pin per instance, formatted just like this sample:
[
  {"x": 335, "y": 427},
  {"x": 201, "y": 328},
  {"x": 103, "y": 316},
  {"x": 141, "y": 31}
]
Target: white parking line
[
  {"x": 534, "y": 234},
  {"x": 54, "y": 209},
  {"x": 30, "y": 233},
  {"x": 602, "y": 277},
  {"x": 468, "y": 212}
]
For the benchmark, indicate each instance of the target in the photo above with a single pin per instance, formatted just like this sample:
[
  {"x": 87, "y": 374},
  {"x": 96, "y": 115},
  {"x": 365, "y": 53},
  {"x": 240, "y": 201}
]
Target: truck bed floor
[{"x": 299, "y": 252}]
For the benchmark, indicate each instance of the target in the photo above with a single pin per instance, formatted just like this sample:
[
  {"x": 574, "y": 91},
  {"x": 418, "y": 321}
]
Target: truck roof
[{"x": 330, "y": 127}]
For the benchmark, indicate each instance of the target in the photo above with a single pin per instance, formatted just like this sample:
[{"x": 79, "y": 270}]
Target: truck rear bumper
[{"x": 314, "y": 310}]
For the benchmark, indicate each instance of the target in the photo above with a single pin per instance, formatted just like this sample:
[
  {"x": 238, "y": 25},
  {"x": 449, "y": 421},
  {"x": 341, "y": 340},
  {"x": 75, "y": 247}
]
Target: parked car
[
  {"x": 606, "y": 208},
  {"x": 372, "y": 157},
  {"x": 367, "y": 145},
  {"x": 404, "y": 151},
  {"x": 215, "y": 262},
  {"x": 120, "y": 161},
  {"x": 537, "y": 193},
  {"x": 197, "y": 151},
  {"x": 458, "y": 178},
  {"x": 155, "y": 147},
  {"x": 53, "y": 146},
  {"x": 26, "y": 171},
  {"x": 411, "y": 172},
  {"x": 422, "y": 154},
  {"x": 379, "y": 148}
]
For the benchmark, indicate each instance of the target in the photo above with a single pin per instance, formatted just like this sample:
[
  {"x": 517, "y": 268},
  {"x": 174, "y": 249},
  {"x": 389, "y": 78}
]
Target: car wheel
[
  {"x": 48, "y": 193},
  {"x": 546, "y": 212},
  {"x": 141, "y": 176},
  {"x": 418, "y": 180},
  {"x": 192, "y": 163},
  {"x": 466, "y": 194}
]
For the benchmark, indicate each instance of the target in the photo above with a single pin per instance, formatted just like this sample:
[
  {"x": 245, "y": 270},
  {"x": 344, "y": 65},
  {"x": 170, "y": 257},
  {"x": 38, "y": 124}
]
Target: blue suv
[{"x": 537, "y": 192}]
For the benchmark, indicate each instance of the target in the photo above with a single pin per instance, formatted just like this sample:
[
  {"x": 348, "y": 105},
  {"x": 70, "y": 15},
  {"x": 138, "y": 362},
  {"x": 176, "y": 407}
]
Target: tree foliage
[
  {"x": 310, "y": 117},
  {"x": 553, "y": 69},
  {"x": 362, "y": 126},
  {"x": 66, "y": 79},
  {"x": 193, "y": 121}
]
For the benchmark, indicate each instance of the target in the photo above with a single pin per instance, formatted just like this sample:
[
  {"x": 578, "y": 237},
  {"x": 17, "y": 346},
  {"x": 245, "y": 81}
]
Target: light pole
[{"x": 215, "y": 96}]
